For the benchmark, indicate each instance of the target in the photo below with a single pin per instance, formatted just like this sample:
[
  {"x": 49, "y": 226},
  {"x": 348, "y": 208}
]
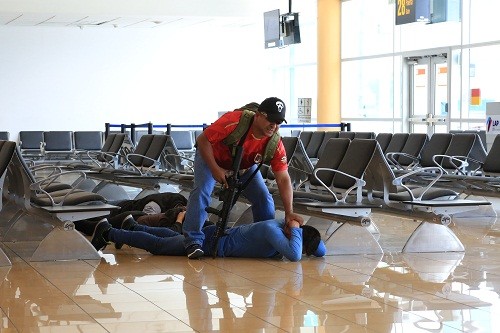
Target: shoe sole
[{"x": 198, "y": 253}]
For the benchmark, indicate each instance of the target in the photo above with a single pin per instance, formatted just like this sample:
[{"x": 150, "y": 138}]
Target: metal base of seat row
[
  {"x": 451, "y": 207},
  {"x": 52, "y": 235},
  {"x": 65, "y": 244},
  {"x": 432, "y": 237},
  {"x": 433, "y": 233},
  {"x": 346, "y": 238},
  {"x": 351, "y": 230}
]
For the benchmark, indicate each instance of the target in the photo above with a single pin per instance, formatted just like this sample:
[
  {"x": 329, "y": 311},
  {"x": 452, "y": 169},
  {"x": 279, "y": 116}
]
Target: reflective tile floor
[{"x": 130, "y": 290}]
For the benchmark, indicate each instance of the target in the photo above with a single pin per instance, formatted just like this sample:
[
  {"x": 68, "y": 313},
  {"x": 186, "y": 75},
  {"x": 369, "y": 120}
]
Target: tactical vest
[{"x": 243, "y": 127}]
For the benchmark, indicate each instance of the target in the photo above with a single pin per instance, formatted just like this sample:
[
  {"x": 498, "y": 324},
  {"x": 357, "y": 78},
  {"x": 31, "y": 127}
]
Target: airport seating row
[
  {"x": 36, "y": 216},
  {"x": 355, "y": 179},
  {"x": 346, "y": 183},
  {"x": 51, "y": 145},
  {"x": 314, "y": 141},
  {"x": 403, "y": 152},
  {"x": 48, "y": 207},
  {"x": 352, "y": 179},
  {"x": 67, "y": 145}
]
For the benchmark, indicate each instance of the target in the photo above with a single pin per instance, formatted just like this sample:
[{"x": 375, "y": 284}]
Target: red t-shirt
[{"x": 253, "y": 148}]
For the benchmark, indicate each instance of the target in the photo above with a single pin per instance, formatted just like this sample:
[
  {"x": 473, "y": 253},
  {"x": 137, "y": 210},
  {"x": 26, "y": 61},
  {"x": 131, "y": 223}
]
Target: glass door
[{"x": 428, "y": 94}]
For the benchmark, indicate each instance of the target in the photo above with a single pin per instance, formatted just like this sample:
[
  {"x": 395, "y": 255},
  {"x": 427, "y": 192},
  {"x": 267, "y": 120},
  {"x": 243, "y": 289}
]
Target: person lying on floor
[
  {"x": 265, "y": 239},
  {"x": 154, "y": 210}
]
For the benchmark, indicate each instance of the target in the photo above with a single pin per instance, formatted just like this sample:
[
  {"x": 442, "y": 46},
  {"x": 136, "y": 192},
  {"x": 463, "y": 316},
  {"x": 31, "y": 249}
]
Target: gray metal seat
[
  {"x": 146, "y": 156},
  {"x": 437, "y": 145},
  {"x": 314, "y": 144},
  {"x": 397, "y": 143},
  {"x": 88, "y": 140},
  {"x": 406, "y": 158},
  {"x": 433, "y": 205},
  {"x": 364, "y": 135},
  {"x": 7, "y": 149},
  {"x": 342, "y": 163},
  {"x": 305, "y": 137},
  {"x": 383, "y": 140},
  {"x": 347, "y": 135},
  {"x": 113, "y": 148},
  {"x": 484, "y": 180},
  {"x": 30, "y": 143},
  {"x": 454, "y": 159},
  {"x": 328, "y": 135},
  {"x": 491, "y": 165},
  {"x": 58, "y": 145},
  {"x": 184, "y": 142}
]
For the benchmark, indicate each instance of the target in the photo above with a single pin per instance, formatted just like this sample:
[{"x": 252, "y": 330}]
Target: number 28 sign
[{"x": 409, "y": 11}]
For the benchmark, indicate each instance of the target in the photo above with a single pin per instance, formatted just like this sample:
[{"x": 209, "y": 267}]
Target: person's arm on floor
[{"x": 289, "y": 246}]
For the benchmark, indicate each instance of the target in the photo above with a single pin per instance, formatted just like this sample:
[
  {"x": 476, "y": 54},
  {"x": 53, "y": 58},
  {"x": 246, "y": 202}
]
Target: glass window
[
  {"x": 482, "y": 81},
  {"x": 304, "y": 85},
  {"x": 482, "y": 11},
  {"x": 416, "y": 36},
  {"x": 375, "y": 126},
  {"x": 375, "y": 88},
  {"x": 368, "y": 88},
  {"x": 367, "y": 28}
]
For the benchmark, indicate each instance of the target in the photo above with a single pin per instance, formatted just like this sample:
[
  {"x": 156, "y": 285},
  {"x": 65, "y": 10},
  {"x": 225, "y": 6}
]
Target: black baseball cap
[{"x": 274, "y": 108}]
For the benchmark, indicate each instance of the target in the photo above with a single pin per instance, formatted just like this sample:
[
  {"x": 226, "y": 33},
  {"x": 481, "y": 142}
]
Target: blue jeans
[
  {"x": 256, "y": 193},
  {"x": 155, "y": 240}
]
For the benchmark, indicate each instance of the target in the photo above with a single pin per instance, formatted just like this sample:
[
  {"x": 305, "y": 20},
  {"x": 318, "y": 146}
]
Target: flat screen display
[{"x": 272, "y": 28}]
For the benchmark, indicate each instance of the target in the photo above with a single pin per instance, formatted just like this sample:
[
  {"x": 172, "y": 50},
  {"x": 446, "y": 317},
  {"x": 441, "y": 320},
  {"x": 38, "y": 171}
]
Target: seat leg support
[
  {"x": 352, "y": 239},
  {"x": 433, "y": 237},
  {"x": 62, "y": 244}
]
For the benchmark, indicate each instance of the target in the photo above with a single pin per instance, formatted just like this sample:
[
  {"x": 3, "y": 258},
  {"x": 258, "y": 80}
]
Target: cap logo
[{"x": 280, "y": 106}]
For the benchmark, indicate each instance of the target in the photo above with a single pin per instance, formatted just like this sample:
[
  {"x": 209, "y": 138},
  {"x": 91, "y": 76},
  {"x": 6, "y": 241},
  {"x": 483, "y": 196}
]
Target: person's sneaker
[
  {"x": 128, "y": 224},
  {"x": 98, "y": 240},
  {"x": 194, "y": 251}
]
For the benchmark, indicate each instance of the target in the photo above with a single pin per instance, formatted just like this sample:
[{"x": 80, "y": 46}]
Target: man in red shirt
[{"x": 213, "y": 160}]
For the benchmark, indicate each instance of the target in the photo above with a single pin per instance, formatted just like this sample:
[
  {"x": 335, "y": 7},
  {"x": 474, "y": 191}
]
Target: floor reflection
[{"x": 130, "y": 290}]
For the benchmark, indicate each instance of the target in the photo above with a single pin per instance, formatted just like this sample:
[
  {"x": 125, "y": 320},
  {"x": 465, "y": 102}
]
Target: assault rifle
[{"x": 228, "y": 196}]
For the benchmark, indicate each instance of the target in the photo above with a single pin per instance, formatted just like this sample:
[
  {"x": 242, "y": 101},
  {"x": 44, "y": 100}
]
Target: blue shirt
[{"x": 264, "y": 239}]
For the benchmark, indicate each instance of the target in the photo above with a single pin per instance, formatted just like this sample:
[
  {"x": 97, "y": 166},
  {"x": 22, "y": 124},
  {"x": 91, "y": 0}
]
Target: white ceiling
[{"x": 135, "y": 13}]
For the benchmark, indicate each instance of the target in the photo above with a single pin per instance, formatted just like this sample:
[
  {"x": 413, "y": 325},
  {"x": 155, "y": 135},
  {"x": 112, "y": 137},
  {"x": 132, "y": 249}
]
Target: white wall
[{"x": 78, "y": 79}]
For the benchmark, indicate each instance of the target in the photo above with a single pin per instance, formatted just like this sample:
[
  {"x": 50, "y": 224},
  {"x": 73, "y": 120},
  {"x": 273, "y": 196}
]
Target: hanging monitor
[
  {"x": 272, "y": 27},
  {"x": 281, "y": 30},
  {"x": 290, "y": 30}
]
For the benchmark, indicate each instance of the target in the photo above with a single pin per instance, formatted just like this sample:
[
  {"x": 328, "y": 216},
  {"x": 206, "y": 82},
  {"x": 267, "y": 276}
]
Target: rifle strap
[
  {"x": 249, "y": 179},
  {"x": 245, "y": 123},
  {"x": 238, "y": 135}
]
